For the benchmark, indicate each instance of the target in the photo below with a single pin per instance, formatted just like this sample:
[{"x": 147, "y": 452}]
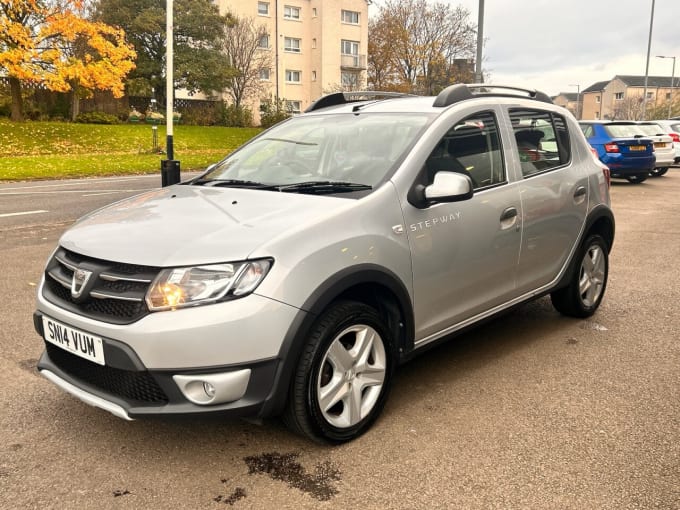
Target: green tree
[{"x": 199, "y": 32}]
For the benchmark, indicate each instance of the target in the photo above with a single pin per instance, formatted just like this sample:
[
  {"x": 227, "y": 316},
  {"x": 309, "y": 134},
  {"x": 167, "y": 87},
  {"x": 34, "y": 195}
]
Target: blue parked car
[{"x": 621, "y": 147}]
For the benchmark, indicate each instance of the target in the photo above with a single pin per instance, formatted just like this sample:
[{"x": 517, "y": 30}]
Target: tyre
[
  {"x": 637, "y": 178},
  {"x": 658, "y": 172},
  {"x": 582, "y": 296},
  {"x": 343, "y": 375}
]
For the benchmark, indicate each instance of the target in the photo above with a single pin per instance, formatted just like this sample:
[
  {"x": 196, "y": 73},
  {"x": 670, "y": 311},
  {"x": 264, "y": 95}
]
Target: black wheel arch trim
[
  {"x": 600, "y": 213},
  {"x": 335, "y": 286}
]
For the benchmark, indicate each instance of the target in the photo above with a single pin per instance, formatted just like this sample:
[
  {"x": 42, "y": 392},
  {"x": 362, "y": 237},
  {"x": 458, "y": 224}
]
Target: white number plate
[{"x": 73, "y": 340}]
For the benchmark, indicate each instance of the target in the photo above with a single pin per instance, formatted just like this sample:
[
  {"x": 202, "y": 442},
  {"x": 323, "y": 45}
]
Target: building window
[
  {"x": 264, "y": 74},
  {"x": 291, "y": 44},
  {"x": 314, "y": 12},
  {"x": 597, "y": 115},
  {"x": 349, "y": 47},
  {"x": 668, "y": 96},
  {"x": 263, "y": 43},
  {"x": 294, "y": 106},
  {"x": 349, "y": 79},
  {"x": 650, "y": 95},
  {"x": 618, "y": 96},
  {"x": 314, "y": 43},
  {"x": 597, "y": 99},
  {"x": 263, "y": 8},
  {"x": 313, "y": 75},
  {"x": 292, "y": 76},
  {"x": 351, "y": 17},
  {"x": 290, "y": 12}
]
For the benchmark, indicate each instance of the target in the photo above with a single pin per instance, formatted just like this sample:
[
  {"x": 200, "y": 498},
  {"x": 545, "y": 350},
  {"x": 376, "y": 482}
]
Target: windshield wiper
[
  {"x": 234, "y": 183},
  {"x": 324, "y": 187}
]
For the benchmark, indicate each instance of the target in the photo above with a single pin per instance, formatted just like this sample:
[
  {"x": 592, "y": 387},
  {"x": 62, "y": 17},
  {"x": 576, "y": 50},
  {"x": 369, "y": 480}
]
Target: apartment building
[
  {"x": 622, "y": 96},
  {"x": 316, "y": 46}
]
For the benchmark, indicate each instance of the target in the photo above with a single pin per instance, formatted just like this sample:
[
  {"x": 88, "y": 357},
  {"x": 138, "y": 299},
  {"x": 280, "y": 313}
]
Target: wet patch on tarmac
[
  {"x": 286, "y": 468},
  {"x": 239, "y": 493}
]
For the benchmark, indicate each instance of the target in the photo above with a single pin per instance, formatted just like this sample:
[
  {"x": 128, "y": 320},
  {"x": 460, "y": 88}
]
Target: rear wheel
[
  {"x": 637, "y": 178},
  {"x": 343, "y": 376},
  {"x": 658, "y": 172},
  {"x": 583, "y": 295}
]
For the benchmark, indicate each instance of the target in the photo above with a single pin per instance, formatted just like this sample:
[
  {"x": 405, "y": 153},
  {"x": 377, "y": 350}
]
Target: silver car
[{"x": 293, "y": 277}]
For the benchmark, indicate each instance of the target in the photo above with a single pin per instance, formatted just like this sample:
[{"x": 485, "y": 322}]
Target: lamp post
[
  {"x": 578, "y": 99},
  {"x": 479, "y": 77},
  {"x": 670, "y": 103},
  {"x": 649, "y": 47},
  {"x": 169, "y": 167}
]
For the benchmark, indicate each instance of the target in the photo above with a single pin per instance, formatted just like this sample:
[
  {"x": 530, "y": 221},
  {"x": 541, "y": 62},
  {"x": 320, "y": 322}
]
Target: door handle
[
  {"x": 509, "y": 218},
  {"x": 580, "y": 194}
]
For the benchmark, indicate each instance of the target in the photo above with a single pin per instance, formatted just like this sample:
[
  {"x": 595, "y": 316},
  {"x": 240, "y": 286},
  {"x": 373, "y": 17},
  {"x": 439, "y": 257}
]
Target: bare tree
[
  {"x": 628, "y": 108},
  {"x": 419, "y": 45},
  {"x": 245, "y": 48}
]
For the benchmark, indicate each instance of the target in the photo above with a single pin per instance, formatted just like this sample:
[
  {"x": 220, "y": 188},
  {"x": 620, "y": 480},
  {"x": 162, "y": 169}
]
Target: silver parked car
[{"x": 293, "y": 277}]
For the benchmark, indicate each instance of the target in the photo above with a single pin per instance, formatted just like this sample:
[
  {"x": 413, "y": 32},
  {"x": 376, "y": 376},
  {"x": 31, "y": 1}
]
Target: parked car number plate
[
  {"x": 637, "y": 148},
  {"x": 73, "y": 340},
  {"x": 660, "y": 144}
]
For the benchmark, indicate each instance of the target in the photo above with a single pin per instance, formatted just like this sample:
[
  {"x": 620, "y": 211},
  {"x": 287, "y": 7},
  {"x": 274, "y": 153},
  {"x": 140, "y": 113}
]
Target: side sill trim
[{"x": 88, "y": 398}]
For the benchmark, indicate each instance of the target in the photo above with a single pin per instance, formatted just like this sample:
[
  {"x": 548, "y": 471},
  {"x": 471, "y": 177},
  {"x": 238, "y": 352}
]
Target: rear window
[
  {"x": 622, "y": 130},
  {"x": 651, "y": 129}
]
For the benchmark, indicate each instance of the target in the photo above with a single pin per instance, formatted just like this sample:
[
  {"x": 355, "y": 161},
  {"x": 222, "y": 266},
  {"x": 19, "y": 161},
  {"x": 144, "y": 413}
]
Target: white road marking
[{"x": 22, "y": 213}]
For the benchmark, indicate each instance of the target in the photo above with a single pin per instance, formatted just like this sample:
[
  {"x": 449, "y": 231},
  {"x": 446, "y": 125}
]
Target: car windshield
[
  {"x": 356, "y": 148},
  {"x": 622, "y": 130},
  {"x": 651, "y": 129}
]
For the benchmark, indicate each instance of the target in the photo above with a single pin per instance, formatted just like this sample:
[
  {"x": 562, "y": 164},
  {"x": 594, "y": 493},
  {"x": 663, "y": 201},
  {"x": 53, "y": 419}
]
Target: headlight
[{"x": 191, "y": 286}]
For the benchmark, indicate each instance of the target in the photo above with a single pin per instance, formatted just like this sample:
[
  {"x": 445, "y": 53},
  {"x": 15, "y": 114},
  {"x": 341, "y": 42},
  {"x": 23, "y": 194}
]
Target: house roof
[
  {"x": 596, "y": 87},
  {"x": 652, "y": 81},
  {"x": 569, "y": 96}
]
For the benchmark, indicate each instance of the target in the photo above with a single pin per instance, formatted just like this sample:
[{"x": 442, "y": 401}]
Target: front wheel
[
  {"x": 343, "y": 376},
  {"x": 582, "y": 296}
]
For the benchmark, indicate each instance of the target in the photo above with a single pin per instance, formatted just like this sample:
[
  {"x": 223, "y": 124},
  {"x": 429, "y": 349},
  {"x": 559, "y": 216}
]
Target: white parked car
[
  {"x": 663, "y": 146},
  {"x": 672, "y": 128}
]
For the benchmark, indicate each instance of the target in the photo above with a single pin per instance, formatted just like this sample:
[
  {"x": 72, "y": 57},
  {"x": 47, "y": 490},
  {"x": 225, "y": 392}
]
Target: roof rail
[
  {"x": 339, "y": 98},
  {"x": 455, "y": 93}
]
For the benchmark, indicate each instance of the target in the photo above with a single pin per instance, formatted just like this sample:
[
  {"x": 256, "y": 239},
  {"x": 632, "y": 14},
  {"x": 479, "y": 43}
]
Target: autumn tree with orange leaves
[{"x": 53, "y": 44}]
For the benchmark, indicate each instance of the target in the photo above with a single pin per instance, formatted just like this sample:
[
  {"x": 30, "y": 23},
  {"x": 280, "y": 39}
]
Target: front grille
[
  {"x": 134, "y": 387},
  {"x": 115, "y": 292}
]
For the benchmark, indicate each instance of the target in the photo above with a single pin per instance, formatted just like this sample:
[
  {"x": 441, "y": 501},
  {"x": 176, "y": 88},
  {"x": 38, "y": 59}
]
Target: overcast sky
[{"x": 551, "y": 45}]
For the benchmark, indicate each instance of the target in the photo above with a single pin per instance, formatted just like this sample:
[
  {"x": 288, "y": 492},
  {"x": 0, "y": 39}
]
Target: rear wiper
[
  {"x": 324, "y": 187},
  {"x": 234, "y": 183}
]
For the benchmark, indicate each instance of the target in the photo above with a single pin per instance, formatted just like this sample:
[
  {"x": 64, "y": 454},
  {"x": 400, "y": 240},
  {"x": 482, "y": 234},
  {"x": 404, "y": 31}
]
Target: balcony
[{"x": 353, "y": 62}]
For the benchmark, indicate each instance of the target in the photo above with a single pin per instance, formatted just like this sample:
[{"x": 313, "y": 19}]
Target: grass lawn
[{"x": 56, "y": 150}]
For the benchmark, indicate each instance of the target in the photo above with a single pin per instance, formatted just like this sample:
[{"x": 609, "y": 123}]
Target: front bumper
[{"x": 127, "y": 389}]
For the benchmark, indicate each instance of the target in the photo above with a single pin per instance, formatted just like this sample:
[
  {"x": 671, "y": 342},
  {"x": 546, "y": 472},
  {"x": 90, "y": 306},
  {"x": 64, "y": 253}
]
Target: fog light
[{"x": 209, "y": 389}]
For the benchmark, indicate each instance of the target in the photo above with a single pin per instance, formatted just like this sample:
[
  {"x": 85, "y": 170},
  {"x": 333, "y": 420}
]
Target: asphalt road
[{"x": 532, "y": 410}]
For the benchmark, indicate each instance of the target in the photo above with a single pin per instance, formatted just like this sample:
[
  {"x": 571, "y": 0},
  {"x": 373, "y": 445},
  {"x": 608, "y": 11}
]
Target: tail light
[
  {"x": 675, "y": 137},
  {"x": 607, "y": 176},
  {"x": 611, "y": 147},
  {"x": 605, "y": 169}
]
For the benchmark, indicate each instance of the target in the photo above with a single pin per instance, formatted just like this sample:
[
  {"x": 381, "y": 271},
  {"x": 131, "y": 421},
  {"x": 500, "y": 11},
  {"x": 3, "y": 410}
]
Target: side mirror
[{"x": 448, "y": 187}]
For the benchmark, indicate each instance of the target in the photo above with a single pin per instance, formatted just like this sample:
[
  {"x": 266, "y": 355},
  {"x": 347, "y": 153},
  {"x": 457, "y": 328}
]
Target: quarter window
[
  {"x": 471, "y": 147},
  {"x": 291, "y": 44},
  {"x": 542, "y": 140},
  {"x": 351, "y": 17}
]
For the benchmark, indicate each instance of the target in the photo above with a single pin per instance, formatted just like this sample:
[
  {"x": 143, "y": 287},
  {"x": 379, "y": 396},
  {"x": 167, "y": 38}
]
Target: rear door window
[{"x": 542, "y": 140}]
